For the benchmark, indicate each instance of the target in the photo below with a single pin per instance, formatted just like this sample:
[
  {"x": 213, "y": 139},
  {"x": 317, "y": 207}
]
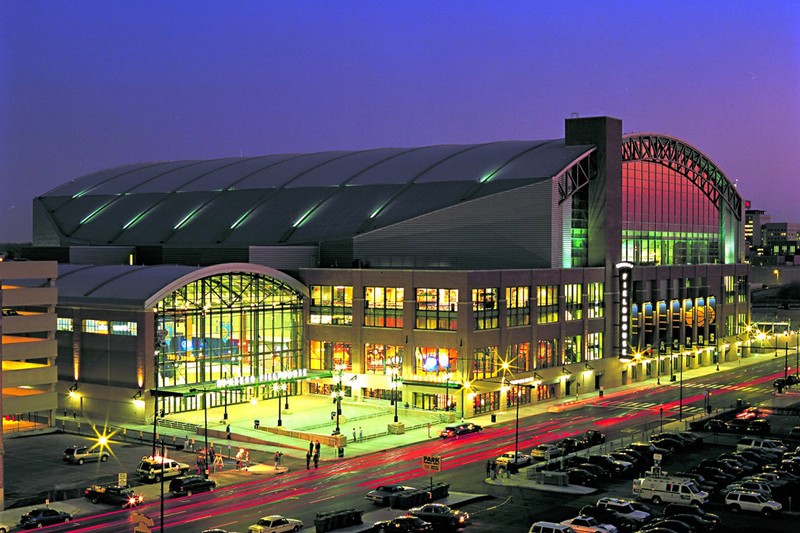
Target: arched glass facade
[
  {"x": 667, "y": 219},
  {"x": 232, "y": 325}
]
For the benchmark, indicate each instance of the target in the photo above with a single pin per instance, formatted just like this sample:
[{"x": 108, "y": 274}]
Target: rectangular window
[
  {"x": 519, "y": 357},
  {"x": 547, "y": 354},
  {"x": 573, "y": 302},
  {"x": 123, "y": 328},
  {"x": 485, "y": 363},
  {"x": 331, "y": 304},
  {"x": 484, "y": 308},
  {"x": 325, "y": 355},
  {"x": 100, "y": 327},
  {"x": 518, "y": 306},
  {"x": 594, "y": 346},
  {"x": 573, "y": 349},
  {"x": 437, "y": 309},
  {"x": 594, "y": 302},
  {"x": 64, "y": 324},
  {"x": 383, "y": 307},
  {"x": 741, "y": 288},
  {"x": 547, "y": 303},
  {"x": 729, "y": 289},
  {"x": 379, "y": 357}
]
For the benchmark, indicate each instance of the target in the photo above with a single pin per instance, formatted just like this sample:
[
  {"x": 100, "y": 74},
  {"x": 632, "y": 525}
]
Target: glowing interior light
[
  {"x": 487, "y": 177},
  {"x": 375, "y": 213}
]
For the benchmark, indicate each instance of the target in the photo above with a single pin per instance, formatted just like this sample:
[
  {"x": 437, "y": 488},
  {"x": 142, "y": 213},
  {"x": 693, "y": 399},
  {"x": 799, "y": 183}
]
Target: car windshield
[
  {"x": 761, "y": 498},
  {"x": 693, "y": 488}
]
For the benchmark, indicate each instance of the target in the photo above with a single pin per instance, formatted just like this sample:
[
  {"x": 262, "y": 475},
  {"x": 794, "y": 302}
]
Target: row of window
[
  {"x": 99, "y": 327},
  {"x": 486, "y": 362},
  {"x": 437, "y": 309}
]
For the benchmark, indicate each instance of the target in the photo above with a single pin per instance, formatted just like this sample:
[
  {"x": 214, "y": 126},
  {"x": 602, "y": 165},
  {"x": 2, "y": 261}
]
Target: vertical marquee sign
[{"x": 624, "y": 271}]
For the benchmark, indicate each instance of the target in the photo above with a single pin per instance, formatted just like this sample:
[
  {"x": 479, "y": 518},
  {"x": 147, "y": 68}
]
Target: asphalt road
[{"x": 34, "y": 465}]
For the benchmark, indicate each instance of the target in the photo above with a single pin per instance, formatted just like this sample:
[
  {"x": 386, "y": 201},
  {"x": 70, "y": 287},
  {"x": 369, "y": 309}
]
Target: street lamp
[
  {"x": 205, "y": 428},
  {"x": 340, "y": 368},
  {"x": 278, "y": 387}
]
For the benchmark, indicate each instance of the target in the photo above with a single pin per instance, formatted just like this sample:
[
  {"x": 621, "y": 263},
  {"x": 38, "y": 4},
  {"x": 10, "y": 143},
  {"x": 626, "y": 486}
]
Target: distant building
[
  {"x": 28, "y": 296},
  {"x": 462, "y": 278}
]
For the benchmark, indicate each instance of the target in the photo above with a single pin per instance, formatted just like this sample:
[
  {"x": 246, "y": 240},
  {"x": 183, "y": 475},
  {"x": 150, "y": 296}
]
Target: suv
[
  {"x": 188, "y": 485},
  {"x": 624, "y": 508},
  {"x": 545, "y": 452},
  {"x": 760, "y": 444},
  {"x": 82, "y": 454},
  {"x": 739, "y": 500},
  {"x": 151, "y": 468}
]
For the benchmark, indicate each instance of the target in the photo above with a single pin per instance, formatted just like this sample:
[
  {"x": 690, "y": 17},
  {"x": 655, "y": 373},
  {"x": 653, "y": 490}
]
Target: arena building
[{"x": 456, "y": 278}]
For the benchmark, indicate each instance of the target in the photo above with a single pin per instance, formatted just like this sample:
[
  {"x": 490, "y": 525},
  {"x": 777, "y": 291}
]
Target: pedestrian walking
[
  {"x": 488, "y": 468},
  {"x": 192, "y": 445},
  {"x": 316, "y": 448},
  {"x": 186, "y": 442},
  {"x": 228, "y": 431},
  {"x": 360, "y": 434},
  {"x": 277, "y": 459},
  {"x": 311, "y": 447},
  {"x": 354, "y": 435},
  {"x": 494, "y": 470},
  {"x": 507, "y": 471},
  {"x": 308, "y": 461},
  {"x": 316, "y": 460}
]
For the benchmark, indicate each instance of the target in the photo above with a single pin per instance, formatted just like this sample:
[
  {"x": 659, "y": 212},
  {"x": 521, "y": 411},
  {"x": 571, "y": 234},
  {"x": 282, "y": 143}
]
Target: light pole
[
  {"x": 516, "y": 427},
  {"x": 205, "y": 429},
  {"x": 661, "y": 419},
  {"x": 340, "y": 367},
  {"x": 394, "y": 376},
  {"x": 277, "y": 387},
  {"x": 786, "y": 358}
]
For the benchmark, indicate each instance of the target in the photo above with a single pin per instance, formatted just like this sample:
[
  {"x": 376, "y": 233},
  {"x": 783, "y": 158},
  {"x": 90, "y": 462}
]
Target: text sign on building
[
  {"x": 432, "y": 463},
  {"x": 624, "y": 271}
]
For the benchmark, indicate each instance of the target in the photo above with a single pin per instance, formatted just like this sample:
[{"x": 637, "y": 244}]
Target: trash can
[
  {"x": 256, "y": 423},
  {"x": 340, "y": 451},
  {"x": 494, "y": 419}
]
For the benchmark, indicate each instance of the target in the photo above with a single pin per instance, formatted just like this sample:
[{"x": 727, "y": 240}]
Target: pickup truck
[{"x": 113, "y": 495}]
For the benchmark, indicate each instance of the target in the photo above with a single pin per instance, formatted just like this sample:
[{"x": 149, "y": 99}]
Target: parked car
[
  {"x": 588, "y": 524},
  {"x": 544, "y": 452},
  {"x": 597, "y": 470},
  {"x": 549, "y": 527},
  {"x": 631, "y": 456},
  {"x": 84, "y": 454},
  {"x": 188, "y": 485},
  {"x": 579, "y": 476},
  {"x": 737, "y": 425},
  {"x": 668, "y": 442},
  {"x": 570, "y": 445},
  {"x": 521, "y": 459},
  {"x": 43, "y": 516},
  {"x": 728, "y": 468},
  {"x": 715, "y": 425},
  {"x": 614, "y": 466},
  {"x": 751, "y": 501},
  {"x": 610, "y": 516},
  {"x": 461, "y": 429},
  {"x": 624, "y": 508},
  {"x": 275, "y": 524},
  {"x": 749, "y": 413},
  {"x": 706, "y": 485},
  {"x": 749, "y": 486},
  {"x": 381, "y": 495},
  {"x": 402, "y": 524},
  {"x": 4, "y": 528},
  {"x": 685, "y": 508},
  {"x": 759, "y": 426},
  {"x": 648, "y": 449},
  {"x": 671, "y": 524},
  {"x": 440, "y": 515}
]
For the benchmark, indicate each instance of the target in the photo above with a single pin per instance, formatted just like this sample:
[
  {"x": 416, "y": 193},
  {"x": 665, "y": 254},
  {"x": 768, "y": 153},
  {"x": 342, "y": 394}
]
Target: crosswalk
[
  {"x": 726, "y": 386},
  {"x": 641, "y": 406}
]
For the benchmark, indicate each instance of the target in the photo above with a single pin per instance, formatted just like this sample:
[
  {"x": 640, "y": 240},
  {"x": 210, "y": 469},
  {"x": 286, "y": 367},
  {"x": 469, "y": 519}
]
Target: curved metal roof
[
  {"x": 291, "y": 198},
  {"x": 144, "y": 286}
]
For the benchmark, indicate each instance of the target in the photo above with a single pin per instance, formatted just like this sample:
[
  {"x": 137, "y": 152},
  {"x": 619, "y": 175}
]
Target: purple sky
[{"x": 87, "y": 85}]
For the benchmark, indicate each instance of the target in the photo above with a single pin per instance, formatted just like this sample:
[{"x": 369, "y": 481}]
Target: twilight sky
[{"x": 86, "y": 85}]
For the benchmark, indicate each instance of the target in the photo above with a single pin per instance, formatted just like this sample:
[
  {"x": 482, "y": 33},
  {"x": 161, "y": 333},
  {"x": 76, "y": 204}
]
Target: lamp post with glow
[
  {"x": 279, "y": 387},
  {"x": 205, "y": 427},
  {"x": 340, "y": 368},
  {"x": 394, "y": 376}
]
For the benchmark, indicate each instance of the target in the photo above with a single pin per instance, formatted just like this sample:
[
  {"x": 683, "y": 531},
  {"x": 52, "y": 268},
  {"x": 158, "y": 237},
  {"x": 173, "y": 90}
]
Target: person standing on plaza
[
  {"x": 316, "y": 448},
  {"x": 316, "y": 460},
  {"x": 488, "y": 468},
  {"x": 308, "y": 460},
  {"x": 360, "y": 434},
  {"x": 311, "y": 447},
  {"x": 354, "y": 435}
]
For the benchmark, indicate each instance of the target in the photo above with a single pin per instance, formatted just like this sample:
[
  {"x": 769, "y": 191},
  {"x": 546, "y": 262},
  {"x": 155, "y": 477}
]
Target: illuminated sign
[
  {"x": 243, "y": 381},
  {"x": 625, "y": 270}
]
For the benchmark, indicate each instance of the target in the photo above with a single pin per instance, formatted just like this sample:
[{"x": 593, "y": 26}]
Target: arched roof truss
[
  {"x": 577, "y": 175},
  {"x": 687, "y": 161}
]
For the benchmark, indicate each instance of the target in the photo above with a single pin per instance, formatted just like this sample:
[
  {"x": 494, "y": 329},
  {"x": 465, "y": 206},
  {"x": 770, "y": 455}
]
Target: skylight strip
[{"x": 185, "y": 219}]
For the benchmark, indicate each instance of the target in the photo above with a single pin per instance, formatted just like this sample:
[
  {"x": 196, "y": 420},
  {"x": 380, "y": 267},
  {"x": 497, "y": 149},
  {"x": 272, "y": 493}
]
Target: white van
[{"x": 668, "y": 489}]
